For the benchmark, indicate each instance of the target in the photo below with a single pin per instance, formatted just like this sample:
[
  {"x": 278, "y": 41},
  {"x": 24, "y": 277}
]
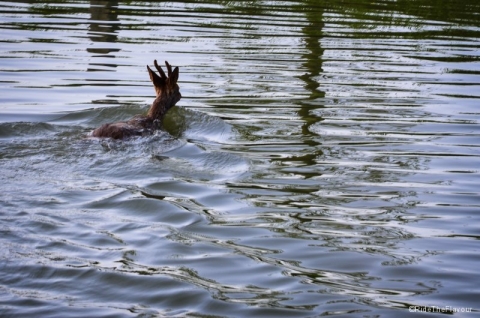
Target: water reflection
[
  {"x": 103, "y": 28},
  {"x": 313, "y": 61},
  {"x": 323, "y": 160}
]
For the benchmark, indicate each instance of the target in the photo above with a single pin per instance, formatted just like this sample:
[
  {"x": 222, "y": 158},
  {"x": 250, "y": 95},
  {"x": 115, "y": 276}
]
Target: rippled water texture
[{"x": 324, "y": 159}]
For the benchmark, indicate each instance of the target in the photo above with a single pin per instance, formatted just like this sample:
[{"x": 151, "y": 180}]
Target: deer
[{"x": 167, "y": 95}]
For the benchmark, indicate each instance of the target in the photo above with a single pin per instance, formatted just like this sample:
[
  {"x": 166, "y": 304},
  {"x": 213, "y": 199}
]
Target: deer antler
[
  {"x": 172, "y": 76},
  {"x": 161, "y": 82},
  {"x": 159, "y": 69}
]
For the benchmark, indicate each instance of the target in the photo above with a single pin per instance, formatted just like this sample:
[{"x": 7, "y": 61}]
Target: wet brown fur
[{"x": 168, "y": 94}]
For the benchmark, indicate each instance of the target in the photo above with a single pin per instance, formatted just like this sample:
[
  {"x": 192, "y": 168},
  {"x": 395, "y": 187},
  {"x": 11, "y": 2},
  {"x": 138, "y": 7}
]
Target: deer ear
[
  {"x": 156, "y": 80},
  {"x": 174, "y": 76}
]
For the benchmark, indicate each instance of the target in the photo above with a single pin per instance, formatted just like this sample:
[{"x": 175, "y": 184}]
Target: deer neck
[{"x": 160, "y": 106}]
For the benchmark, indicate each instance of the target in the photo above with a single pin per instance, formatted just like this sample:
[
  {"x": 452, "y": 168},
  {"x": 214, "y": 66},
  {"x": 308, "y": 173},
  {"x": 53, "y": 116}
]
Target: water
[{"x": 324, "y": 159}]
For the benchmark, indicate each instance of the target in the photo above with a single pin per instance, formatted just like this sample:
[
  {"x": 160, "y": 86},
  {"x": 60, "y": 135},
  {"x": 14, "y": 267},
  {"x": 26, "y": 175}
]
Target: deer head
[{"x": 166, "y": 89}]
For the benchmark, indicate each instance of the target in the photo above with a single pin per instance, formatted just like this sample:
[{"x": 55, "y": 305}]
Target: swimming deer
[{"x": 168, "y": 94}]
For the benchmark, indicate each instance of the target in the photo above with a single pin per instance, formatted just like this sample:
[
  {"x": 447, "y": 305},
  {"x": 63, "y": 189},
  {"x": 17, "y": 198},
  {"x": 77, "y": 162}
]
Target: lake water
[{"x": 323, "y": 161}]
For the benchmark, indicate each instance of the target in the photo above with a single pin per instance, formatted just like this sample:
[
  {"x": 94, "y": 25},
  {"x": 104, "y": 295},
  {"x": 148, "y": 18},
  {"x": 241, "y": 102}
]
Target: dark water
[{"x": 324, "y": 160}]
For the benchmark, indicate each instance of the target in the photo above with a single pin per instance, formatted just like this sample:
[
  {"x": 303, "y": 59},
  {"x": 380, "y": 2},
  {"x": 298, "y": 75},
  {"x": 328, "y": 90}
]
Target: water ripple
[{"x": 322, "y": 161}]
